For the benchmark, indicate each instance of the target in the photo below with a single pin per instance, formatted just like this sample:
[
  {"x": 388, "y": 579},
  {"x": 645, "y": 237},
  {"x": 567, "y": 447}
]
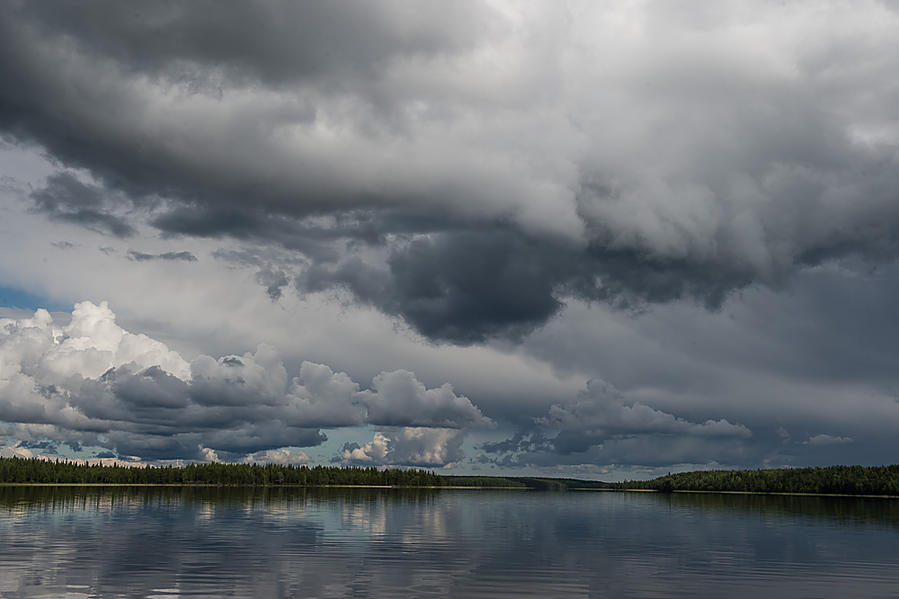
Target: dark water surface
[{"x": 164, "y": 542}]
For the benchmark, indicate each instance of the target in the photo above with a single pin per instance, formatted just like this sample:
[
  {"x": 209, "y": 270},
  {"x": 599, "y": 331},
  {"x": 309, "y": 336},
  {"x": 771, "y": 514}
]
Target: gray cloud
[
  {"x": 170, "y": 256},
  {"x": 812, "y": 359},
  {"x": 602, "y": 413},
  {"x": 602, "y": 426},
  {"x": 65, "y": 198},
  {"x": 399, "y": 399},
  {"x": 275, "y": 268},
  {"x": 824, "y": 439},
  {"x": 274, "y": 282}
]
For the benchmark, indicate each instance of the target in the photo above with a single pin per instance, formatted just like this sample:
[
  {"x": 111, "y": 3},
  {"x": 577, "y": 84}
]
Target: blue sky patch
[{"x": 11, "y": 297}]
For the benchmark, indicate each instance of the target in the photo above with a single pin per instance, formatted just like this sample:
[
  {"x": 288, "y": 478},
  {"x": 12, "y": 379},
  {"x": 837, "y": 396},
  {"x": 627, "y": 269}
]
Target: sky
[{"x": 597, "y": 240}]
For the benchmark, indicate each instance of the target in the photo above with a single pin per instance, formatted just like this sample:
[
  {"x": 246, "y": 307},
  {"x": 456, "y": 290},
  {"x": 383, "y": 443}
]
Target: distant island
[{"x": 832, "y": 480}]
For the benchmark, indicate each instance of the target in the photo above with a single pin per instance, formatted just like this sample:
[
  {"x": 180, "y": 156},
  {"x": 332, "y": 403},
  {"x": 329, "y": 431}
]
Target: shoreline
[
  {"x": 222, "y": 486},
  {"x": 448, "y": 488},
  {"x": 780, "y": 493}
]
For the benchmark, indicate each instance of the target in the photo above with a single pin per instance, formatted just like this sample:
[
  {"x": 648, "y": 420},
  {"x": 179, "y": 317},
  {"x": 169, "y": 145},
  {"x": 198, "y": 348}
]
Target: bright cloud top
[{"x": 412, "y": 445}]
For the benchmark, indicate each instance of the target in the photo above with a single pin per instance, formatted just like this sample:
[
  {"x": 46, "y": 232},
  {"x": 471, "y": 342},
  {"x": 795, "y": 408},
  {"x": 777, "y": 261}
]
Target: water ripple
[{"x": 358, "y": 543}]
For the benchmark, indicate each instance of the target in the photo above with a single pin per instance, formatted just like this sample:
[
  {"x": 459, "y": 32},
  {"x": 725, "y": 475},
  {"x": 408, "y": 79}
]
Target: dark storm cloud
[
  {"x": 65, "y": 198},
  {"x": 246, "y": 224},
  {"x": 686, "y": 170},
  {"x": 182, "y": 256},
  {"x": 270, "y": 42},
  {"x": 457, "y": 287},
  {"x": 466, "y": 287},
  {"x": 204, "y": 49}
]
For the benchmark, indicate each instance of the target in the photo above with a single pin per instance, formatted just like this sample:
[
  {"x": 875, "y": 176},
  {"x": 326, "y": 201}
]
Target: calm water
[{"x": 88, "y": 542}]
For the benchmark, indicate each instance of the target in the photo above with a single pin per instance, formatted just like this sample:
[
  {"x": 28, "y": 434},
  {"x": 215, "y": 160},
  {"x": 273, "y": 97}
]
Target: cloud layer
[
  {"x": 602, "y": 426},
  {"x": 693, "y": 206},
  {"x": 93, "y": 383},
  {"x": 628, "y": 154}
]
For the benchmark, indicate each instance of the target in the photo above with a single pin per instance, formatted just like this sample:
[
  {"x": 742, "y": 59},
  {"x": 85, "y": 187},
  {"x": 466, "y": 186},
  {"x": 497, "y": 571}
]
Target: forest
[
  {"x": 40, "y": 471},
  {"x": 33, "y": 470},
  {"x": 848, "y": 480},
  {"x": 20, "y": 470}
]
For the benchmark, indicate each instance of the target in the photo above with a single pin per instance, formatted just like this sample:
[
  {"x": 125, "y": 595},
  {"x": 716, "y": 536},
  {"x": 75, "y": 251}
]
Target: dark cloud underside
[
  {"x": 307, "y": 125},
  {"x": 66, "y": 198}
]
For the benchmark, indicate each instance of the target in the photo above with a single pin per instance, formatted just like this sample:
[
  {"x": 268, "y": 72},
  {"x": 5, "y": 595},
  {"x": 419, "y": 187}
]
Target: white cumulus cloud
[
  {"x": 92, "y": 382},
  {"x": 416, "y": 446}
]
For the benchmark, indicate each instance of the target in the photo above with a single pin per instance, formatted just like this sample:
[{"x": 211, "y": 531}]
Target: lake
[{"x": 208, "y": 542}]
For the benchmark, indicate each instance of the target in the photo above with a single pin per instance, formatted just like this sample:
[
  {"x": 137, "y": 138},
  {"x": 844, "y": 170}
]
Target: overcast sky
[{"x": 585, "y": 239}]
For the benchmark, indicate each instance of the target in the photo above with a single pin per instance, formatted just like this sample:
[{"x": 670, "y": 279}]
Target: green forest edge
[{"x": 832, "y": 480}]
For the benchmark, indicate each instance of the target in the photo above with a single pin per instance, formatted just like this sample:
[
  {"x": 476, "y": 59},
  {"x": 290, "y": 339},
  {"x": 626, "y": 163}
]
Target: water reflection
[
  {"x": 845, "y": 510},
  {"x": 214, "y": 542}
]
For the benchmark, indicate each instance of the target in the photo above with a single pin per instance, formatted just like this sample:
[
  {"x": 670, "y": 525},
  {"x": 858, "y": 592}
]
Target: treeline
[
  {"x": 850, "y": 480},
  {"x": 23, "y": 470},
  {"x": 19, "y": 470}
]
